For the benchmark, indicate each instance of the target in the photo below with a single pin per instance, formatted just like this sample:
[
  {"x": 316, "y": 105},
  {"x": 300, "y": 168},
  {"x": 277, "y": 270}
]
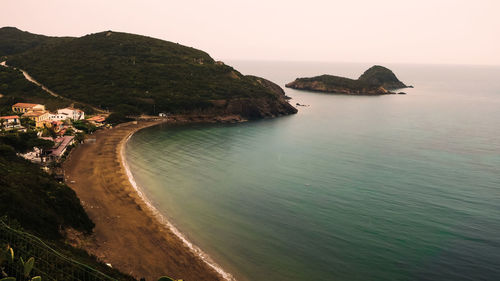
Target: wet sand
[{"x": 127, "y": 234}]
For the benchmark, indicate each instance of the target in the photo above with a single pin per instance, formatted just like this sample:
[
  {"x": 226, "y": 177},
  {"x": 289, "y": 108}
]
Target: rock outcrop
[
  {"x": 377, "y": 80},
  {"x": 256, "y": 108}
]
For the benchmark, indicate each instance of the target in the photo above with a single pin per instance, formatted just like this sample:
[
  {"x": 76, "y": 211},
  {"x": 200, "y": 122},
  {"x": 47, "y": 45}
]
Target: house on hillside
[
  {"x": 10, "y": 122},
  {"x": 58, "y": 116},
  {"x": 72, "y": 113},
  {"x": 38, "y": 116},
  {"x": 21, "y": 107},
  {"x": 97, "y": 120},
  {"x": 61, "y": 144}
]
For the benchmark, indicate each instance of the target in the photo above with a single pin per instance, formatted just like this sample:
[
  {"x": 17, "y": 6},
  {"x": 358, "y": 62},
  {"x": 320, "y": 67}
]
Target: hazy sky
[{"x": 379, "y": 31}]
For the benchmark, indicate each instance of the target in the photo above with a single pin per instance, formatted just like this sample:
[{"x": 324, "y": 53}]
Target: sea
[{"x": 393, "y": 187}]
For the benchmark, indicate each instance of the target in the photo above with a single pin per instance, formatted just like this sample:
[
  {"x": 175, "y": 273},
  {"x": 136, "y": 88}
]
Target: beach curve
[
  {"x": 130, "y": 233},
  {"x": 195, "y": 249}
]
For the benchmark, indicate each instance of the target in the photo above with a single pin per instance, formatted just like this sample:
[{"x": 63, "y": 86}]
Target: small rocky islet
[{"x": 377, "y": 80}]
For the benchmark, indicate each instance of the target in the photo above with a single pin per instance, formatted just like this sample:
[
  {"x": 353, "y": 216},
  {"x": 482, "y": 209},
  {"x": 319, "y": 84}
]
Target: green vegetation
[
  {"x": 7, "y": 257},
  {"x": 31, "y": 197},
  {"x": 111, "y": 69},
  {"x": 15, "y": 41},
  {"x": 336, "y": 81},
  {"x": 15, "y": 88},
  {"x": 24, "y": 142},
  {"x": 375, "y": 77},
  {"x": 125, "y": 73},
  {"x": 86, "y": 127},
  {"x": 34, "y": 202},
  {"x": 381, "y": 76},
  {"x": 117, "y": 118},
  {"x": 54, "y": 259}
]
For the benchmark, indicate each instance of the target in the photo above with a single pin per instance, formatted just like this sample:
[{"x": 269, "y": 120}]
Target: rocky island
[{"x": 377, "y": 80}]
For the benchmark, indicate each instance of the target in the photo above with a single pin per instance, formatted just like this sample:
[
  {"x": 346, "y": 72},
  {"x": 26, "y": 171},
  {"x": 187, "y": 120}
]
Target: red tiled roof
[
  {"x": 60, "y": 144},
  {"x": 25, "y": 105},
  {"x": 97, "y": 119},
  {"x": 34, "y": 114},
  {"x": 9, "y": 117}
]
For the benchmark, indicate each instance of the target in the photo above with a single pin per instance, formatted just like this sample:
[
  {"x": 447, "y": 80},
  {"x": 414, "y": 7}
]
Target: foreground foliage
[{"x": 7, "y": 257}]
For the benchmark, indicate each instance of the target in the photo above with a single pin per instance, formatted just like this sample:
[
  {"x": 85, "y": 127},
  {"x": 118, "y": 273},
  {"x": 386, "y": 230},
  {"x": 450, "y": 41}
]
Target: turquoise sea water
[{"x": 402, "y": 187}]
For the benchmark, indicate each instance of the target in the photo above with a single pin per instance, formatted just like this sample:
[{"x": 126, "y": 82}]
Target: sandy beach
[{"x": 127, "y": 234}]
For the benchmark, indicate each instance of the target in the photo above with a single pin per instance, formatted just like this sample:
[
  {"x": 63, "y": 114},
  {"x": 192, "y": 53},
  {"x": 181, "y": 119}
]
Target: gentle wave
[{"x": 195, "y": 249}]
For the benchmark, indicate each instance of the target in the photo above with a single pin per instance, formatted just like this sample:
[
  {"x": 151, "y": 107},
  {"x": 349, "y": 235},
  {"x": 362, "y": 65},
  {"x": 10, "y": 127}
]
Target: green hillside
[
  {"x": 15, "y": 41},
  {"x": 34, "y": 202},
  {"x": 15, "y": 88},
  {"x": 31, "y": 196},
  {"x": 108, "y": 69}
]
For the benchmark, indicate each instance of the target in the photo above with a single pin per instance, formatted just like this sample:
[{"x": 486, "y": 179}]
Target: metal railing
[{"x": 49, "y": 263}]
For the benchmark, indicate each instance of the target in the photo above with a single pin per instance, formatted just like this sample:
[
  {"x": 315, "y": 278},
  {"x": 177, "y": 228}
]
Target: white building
[
  {"x": 72, "y": 113},
  {"x": 58, "y": 116},
  {"x": 14, "y": 119},
  {"x": 10, "y": 122}
]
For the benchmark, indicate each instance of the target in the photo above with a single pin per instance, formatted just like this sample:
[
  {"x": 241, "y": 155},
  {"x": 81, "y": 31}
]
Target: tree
[
  {"x": 117, "y": 118},
  {"x": 28, "y": 122}
]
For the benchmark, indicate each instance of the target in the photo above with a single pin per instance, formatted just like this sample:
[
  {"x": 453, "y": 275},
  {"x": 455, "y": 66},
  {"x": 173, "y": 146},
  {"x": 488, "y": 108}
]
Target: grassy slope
[{"x": 109, "y": 68}]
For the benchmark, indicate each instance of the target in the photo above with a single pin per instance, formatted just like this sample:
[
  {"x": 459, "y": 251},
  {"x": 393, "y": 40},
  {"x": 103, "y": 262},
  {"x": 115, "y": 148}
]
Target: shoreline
[
  {"x": 162, "y": 219},
  {"x": 130, "y": 234}
]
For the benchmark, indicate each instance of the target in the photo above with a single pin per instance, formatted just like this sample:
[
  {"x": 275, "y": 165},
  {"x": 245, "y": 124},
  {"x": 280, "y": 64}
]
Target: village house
[
  {"x": 97, "y": 120},
  {"x": 38, "y": 116},
  {"x": 61, "y": 144},
  {"x": 27, "y": 107},
  {"x": 58, "y": 116},
  {"x": 72, "y": 113},
  {"x": 10, "y": 122}
]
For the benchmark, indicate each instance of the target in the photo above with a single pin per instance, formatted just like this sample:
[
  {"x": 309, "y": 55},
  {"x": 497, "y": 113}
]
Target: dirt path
[
  {"x": 47, "y": 90},
  {"x": 29, "y": 78},
  {"x": 127, "y": 234}
]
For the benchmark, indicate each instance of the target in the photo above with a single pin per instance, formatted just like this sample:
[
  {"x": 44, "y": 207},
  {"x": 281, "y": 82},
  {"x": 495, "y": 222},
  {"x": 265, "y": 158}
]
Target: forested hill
[
  {"x": 111, "y": 69},
  {"x": 14, "y": 41}
]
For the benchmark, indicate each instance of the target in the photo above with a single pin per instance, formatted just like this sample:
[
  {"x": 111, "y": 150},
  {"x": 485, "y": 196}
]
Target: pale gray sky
[{"x": 381, "y": 31}]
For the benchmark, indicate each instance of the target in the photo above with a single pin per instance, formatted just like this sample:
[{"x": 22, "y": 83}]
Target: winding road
[{"x": 47, "y": 90}]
